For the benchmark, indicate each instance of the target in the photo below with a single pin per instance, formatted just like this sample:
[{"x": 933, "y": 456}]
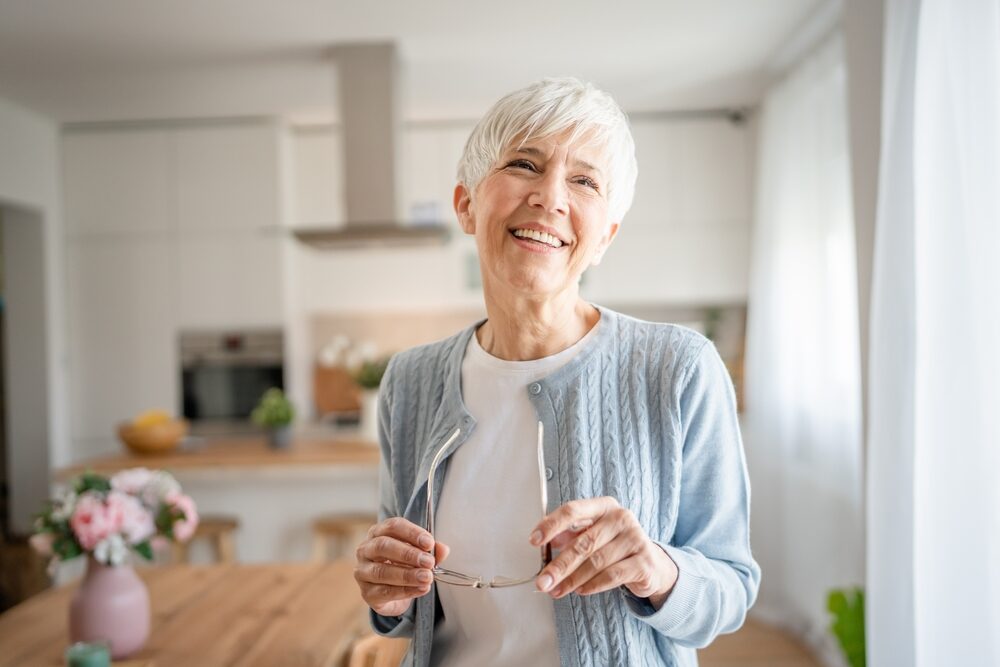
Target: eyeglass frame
[{"x": 455, "y": 578}]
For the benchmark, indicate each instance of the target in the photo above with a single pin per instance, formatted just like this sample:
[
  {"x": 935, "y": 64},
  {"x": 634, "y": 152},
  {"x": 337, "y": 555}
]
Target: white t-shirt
[{"x": 490, "y": 502}]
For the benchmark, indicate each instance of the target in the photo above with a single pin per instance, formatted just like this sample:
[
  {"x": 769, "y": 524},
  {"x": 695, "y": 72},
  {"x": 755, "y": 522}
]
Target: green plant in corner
[
  {"x": 274, "y": 409},
  {"x": 848, "y": 626},
  {"x": 369, "y": 374}
]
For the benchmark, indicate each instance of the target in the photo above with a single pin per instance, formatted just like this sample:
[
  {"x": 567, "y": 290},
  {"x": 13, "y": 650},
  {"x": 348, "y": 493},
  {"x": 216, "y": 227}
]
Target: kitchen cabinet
[
  {"x": 317, "y": 177},
  {"x": 686, "y": 238},
  {"x": 226, "y": 177},
  {"x": 123, "y": 355},
  {"x": 229, "y": 281},
  {"x": 169, "y": 226},
  {"x": 117, "y": 181}
]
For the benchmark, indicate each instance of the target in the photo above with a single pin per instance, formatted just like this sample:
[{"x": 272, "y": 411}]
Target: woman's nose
[{"x": 550, "y": 193}]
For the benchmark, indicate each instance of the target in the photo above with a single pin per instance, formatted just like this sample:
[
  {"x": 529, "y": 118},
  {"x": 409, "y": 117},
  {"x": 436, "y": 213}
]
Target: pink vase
[{"x": 111, "y": 604}]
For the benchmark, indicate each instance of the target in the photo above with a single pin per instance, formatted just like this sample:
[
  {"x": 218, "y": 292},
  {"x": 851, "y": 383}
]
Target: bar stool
[
  {"x": 347, "y": 529},
  {"x": 377, "y": 651},
  {"x": 219, "y": 531}
]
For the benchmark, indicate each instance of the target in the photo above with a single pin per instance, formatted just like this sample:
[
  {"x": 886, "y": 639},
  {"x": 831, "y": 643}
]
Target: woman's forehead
[{"x": 581, "y": 146}]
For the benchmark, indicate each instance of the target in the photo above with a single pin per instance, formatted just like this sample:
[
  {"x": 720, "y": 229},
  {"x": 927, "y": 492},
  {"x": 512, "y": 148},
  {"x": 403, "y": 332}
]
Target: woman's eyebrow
[{"x": 534, "y": 152}]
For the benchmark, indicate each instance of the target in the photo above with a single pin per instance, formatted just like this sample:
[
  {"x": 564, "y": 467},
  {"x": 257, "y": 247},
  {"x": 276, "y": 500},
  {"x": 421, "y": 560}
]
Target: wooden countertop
[
  {"x": 287, "y": 614},
  {"x": 238, "y": 453}
]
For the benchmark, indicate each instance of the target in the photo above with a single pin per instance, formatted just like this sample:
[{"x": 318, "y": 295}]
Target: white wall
[{"x": 29, "y": 183}]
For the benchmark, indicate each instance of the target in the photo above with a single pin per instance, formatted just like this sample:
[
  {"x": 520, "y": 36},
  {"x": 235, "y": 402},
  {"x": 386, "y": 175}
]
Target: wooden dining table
[{"x": 272, "y": 615}]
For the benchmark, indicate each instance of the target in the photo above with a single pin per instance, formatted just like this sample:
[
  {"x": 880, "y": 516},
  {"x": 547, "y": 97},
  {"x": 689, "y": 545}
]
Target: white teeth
[{"x": 547, "y": 239}]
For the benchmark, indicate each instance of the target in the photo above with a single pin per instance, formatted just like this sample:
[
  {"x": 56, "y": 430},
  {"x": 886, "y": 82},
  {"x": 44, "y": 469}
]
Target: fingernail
[
  {"x": 544, "y": 582},
  {"x": 425, "y": 561},
  {"x": 424, "y": 576},
  {"x": 425, "y": 542},
  {"x": 536, "y": 537}
]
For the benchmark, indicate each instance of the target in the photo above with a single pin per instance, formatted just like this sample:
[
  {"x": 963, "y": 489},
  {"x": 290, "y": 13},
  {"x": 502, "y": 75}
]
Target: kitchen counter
[
  {"x": 220, "y": 455},
  {"x": 275, "y": 494}
]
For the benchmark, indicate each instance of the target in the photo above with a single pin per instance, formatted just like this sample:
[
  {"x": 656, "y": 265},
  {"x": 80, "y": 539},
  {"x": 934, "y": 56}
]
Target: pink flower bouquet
[{"x": 107, "y": 517}]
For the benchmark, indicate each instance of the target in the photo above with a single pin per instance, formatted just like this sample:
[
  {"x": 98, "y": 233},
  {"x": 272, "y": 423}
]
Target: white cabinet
[
  {"x": 686, "y": 238},
  {"x": 169, "y": 227},
  {"x": 123, "y": 354},
  {"x": 226, "y": 177},
  {"x": 430, "y": 157},
  {"x": 226, "y": 281},
  {"x": 117, "y": 181},
  {"x": 317, "y": 177}
]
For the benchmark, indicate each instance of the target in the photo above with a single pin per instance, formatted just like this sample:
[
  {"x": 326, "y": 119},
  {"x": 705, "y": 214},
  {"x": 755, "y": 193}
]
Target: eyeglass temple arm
[{"x": 430, "y": 479}]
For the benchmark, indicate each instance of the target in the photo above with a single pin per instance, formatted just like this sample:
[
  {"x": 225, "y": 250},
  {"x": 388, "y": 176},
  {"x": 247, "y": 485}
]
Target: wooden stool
[
  {"x": 347, "y": 529},
  {"x": 219, "y": 531},
  {"x": 376, "y": 651}
]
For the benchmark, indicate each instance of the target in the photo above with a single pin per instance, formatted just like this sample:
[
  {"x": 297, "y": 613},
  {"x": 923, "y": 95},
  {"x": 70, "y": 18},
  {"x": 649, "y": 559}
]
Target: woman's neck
[{"x": 522, "y": 330}]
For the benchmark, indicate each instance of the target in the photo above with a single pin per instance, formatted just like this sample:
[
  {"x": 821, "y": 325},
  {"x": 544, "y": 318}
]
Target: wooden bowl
[{"x": 155, "y": 438}]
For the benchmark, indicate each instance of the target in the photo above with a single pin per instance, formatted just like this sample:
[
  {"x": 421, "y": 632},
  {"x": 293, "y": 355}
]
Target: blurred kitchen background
[{"x": 202, "y": 200}]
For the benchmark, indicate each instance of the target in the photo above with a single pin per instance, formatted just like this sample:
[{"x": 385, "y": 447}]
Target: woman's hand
[
  {"x": 603, "y": 546},
  {"x": 394, "y": 565}
]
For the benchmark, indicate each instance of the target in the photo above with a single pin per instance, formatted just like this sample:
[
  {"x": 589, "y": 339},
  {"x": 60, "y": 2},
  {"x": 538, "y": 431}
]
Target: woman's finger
[
  {"x": 608, "y": 528},
  {"x": 621, "y": 573},
  {"x": 383, "y": 573},
  {"x": 404, "y": 531},
  {"x": 571, "y": 516},
  {"x": 617, "y": 550},
  {"x": 386, "y": 548}
]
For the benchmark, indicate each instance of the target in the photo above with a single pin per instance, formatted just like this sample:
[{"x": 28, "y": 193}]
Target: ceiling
[{"x": 107, "y": 60}]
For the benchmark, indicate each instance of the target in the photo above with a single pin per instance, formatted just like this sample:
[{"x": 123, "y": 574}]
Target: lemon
[{"x": 151, "y": 418}]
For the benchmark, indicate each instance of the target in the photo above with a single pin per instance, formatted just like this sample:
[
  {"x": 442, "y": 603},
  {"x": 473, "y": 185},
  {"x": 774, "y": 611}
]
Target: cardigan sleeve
[
  {"x": 388, "y": 626},
  {"x": 718, "y": 578}
]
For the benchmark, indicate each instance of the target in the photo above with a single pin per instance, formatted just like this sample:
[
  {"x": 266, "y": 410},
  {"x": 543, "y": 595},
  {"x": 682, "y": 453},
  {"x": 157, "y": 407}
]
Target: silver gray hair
[{"x": 548, "y": 107}]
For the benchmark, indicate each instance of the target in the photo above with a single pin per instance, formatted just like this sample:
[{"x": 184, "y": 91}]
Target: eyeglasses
[{"x": 446, "y": 576}]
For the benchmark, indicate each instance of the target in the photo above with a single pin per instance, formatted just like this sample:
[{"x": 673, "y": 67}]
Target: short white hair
[{"x": 546, "y": 108}]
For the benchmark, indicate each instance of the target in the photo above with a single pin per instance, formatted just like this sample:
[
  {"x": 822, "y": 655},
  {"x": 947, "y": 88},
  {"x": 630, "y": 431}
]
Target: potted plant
[
  {"x": 848, "y": 610},
  {"x": 369, "y": 377},
  {"x": 275, "y": 412},
  {"x": 106, "y": 519}
]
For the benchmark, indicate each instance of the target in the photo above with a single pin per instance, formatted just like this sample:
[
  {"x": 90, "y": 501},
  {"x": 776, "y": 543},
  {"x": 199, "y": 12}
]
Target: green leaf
[
  {"x": 848, "y": 625},
  {"x": 66, "y": 547},
  {"x": 91, "y": 481},
  {"x": 144, "y": 549}
]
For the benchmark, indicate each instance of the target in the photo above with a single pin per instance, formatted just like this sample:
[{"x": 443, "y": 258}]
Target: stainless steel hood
[{"x": 369, "y": 101}]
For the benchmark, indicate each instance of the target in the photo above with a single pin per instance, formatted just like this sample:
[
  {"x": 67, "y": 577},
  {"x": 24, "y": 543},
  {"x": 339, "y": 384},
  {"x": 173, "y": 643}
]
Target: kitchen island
[{"x": 274, "y": 493}]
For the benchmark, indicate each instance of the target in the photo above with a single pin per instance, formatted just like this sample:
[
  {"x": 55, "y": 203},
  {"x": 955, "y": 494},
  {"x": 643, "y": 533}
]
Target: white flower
[
  {"x": 160, "y": 485},
  {"x": 137, "y": 520},
  {"x": 131, "y": 481},
  {"x": 65, "y": 503},
  {"x": 111, "y": 550}
]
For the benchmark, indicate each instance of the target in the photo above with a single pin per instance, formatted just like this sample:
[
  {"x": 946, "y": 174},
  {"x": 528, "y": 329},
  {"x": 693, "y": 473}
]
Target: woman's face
[{"x": 540, "y": 216}]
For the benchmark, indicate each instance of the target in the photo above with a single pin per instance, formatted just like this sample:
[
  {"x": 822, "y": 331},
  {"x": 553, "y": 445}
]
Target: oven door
[{"x": 219, "y": 397}]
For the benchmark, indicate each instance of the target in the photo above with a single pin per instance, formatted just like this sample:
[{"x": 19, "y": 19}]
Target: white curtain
[
  {"x": 933, "y": 548},
  {"x": 802, "y": 423}
]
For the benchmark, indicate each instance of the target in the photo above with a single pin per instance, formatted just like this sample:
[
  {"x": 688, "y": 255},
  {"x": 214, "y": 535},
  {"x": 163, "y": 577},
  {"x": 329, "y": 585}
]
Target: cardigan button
[
  {"x": 535, "y": 389},
  {"x": 549, "y": 473}
]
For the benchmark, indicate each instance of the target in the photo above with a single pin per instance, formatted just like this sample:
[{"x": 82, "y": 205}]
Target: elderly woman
[{"x": 581, "y": 471}]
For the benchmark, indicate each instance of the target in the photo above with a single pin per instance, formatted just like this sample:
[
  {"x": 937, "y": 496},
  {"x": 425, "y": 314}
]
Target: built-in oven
[{"x": 224, "y": 374}]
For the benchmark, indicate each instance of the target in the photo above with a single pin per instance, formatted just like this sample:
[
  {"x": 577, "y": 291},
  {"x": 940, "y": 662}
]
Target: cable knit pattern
[{"x": 645, "y": 414}]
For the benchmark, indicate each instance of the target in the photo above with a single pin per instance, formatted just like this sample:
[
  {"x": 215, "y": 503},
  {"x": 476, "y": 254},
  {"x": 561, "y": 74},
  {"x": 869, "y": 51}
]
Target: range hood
[{"x": 369, "y": 104}]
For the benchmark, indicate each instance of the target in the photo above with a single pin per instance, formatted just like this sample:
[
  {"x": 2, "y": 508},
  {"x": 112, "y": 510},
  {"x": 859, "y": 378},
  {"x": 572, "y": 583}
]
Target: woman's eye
[
  {"x": 589, "y": 182},
  {"x": 522, "y": 164}
]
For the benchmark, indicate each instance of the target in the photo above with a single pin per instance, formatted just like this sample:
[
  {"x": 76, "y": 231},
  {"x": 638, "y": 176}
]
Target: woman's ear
[
  {"x": 605, "y": 242},
  {"x": 462, "y": 201}
]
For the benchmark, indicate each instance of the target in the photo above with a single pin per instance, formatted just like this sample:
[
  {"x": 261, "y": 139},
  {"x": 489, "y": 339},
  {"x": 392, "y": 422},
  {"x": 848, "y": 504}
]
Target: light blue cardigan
[{"x": 645, "y": 413}]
